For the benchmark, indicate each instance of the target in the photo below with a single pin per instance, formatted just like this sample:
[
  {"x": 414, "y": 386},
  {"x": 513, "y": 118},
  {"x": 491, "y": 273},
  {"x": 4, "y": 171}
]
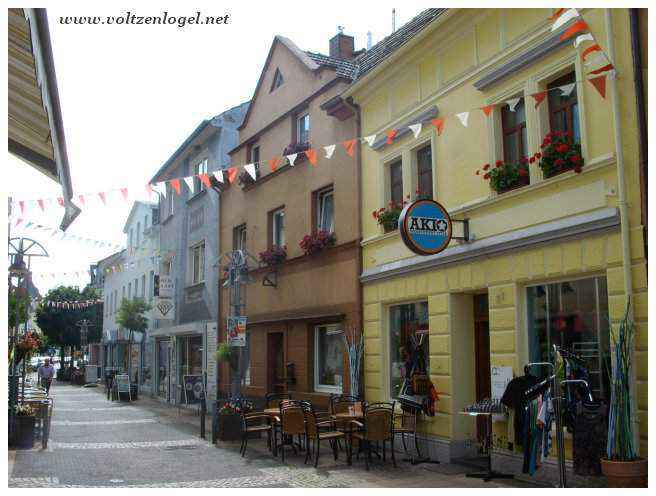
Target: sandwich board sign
[{"x": 194, "y": 388}]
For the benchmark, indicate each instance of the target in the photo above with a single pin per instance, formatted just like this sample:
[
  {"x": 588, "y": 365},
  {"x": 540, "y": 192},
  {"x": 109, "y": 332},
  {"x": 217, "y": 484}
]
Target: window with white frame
[
  {"x": 325, "y": 210},
  {"x": 328, "y": 358},
  {"x": 199, "y": 168},
  {"x": 564, "y": 108},
  {"x": 303, "y": 128},
  {"x": 278, "y": 227},
  {"x": 197, "y": 263},
  {"x": 239, "y": 237},
  {"x": 424, "y": 157}
]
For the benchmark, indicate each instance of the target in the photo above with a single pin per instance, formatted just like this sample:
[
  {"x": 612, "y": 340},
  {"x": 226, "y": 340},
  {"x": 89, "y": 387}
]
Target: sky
[{"x": 131, "y": 94}]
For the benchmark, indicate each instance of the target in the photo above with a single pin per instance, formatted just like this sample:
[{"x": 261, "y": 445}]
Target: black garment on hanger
[
  {"x": 513, "y": 397},
  {"x": 590, "y": 437}
]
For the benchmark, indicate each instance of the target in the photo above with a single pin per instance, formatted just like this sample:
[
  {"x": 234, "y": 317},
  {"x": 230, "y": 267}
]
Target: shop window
[
  {"x": 424, "y": 173},
  {"x": 564, "y": 109},
  {"x": 190, "y": 358},
  {"x": 239, "y": 237},
  {"x": 197, "y": 263},
  {"x": 396, "y": 181},
  {"x": 277, "y": 227},
  {"x": 199, "y": 168},
  {"x": 572, "y": 315},
  {"x": 328, "y": 358},
  {"x": 515, "y": 140},
  {"x": 408, "y": 335},
  {"x": 325, "y": 208},
  {"x": 303, "y": 129}
]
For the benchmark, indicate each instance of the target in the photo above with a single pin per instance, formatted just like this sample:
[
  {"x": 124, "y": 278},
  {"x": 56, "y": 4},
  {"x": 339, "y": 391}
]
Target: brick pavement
[{"x": 97, "y": 443}]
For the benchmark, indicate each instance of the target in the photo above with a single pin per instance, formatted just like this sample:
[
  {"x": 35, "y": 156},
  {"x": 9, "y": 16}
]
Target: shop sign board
[
  {"x": 237, "y": 331},
  {"x": 194, "y": 388},
  {"x": 426, "y": 227},
  {"x": 164, "y": 290}
]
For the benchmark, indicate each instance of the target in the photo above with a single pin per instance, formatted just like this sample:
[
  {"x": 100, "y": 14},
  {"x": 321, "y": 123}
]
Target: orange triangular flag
[
  {"x": 175, "y": 184},
  {"x": 577, "y": 27},
  {"x": 102, "y": 197},
  {"x": 599, "y": 83},
  {"x": 487, "y": 110},
  {"x": 589, "y": 50},
  {"x": 232, "y": 174},
  {"x": 124, "y": 192},
  {"x": 274, "y": 163},
  {"x": 439, "y": 124},
  {"x": 312, "y": 156},
  {"x": 205, "y": 179},
  {"x": 349, "y": 146},
  {"x": 539, "y": 97},
  {"x": 602, "y": 69},
  {"x": 390, "y": 136}
]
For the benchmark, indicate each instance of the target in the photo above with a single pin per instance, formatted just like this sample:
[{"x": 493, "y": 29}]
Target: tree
[
  {"x": 131, "y": 316},
  {"x": 22, "y": 310}
]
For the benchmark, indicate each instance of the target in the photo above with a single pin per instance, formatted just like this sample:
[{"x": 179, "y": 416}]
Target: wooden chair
[
  {"x": 292, "y": 423},
  {"x": 254, "y": 422},
  {"x": 377, "y": 426},
  {"x": 273, "y": 399},
  {"x": 317, "y": 430},
  {"x": 406, "y": 424}
]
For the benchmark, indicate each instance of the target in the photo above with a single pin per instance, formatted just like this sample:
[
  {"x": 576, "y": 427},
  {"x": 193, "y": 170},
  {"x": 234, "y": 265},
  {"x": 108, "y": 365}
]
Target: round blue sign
[{"x": 425, "y": 227}]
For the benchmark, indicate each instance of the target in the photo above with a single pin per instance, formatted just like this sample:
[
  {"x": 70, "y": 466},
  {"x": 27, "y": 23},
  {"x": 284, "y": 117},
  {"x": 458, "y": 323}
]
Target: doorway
[
  {"x": 276, "y": 363},
  {"x": 482, "y": 355},
  {"x": 164, "y": 367}
]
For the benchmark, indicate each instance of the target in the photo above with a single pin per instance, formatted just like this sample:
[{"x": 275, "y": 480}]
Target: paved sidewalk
[{"x": 97, "y": 443}]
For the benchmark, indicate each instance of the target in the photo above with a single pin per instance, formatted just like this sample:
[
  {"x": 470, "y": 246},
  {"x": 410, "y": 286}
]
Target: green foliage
[
  {"x": 227, "y": 354},
  {"x": 131, "y": 315},
  {"x": 22, "y": 310},
  {"x": 503, "y": 176}
]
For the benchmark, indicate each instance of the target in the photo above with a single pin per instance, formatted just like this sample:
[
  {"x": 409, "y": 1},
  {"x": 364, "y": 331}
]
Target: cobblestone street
[{"x": 98, "y": 443}]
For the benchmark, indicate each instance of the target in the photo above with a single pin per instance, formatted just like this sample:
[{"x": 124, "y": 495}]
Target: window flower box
[
  {"x": 388, "y": 217},
  {"x": 505, "y": 177},
  {"x": 559, "y": 155},
  {"x": 298, "y": 148},
  {"x": 317, "y": 242},
  {"x": 273, "y": 256}
]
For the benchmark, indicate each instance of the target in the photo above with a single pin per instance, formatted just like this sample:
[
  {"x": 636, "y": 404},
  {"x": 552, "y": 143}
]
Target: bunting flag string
[
  {"x": 72, "y": 305},
  {"x": 64, "y": 235}
]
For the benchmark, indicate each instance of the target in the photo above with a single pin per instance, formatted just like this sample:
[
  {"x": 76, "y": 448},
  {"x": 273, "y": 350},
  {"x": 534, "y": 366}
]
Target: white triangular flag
[
  {"x": 370, "y": 139},
  {"x": 330, "y": 149},
  {"x": 564, "y": 18},
  {"x": 190, "y": 183},
  {"x": 292, "y": 158},
  {"x": 512, "y": 103},
  {"x": 464, "y": 117},
  {"x": 250, "y": 168},
  {"x": 566, "y": 90},
  {"x": 219, "y": 175},
  {"x": 597, "y": 58},
  {"x": 416, "y": 129},
  {"x": 581, "y": 38}
]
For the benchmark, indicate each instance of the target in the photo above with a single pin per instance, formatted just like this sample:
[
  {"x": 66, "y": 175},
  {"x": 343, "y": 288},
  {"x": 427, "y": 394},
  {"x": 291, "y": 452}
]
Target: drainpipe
[{"x": 622, "y": 204}]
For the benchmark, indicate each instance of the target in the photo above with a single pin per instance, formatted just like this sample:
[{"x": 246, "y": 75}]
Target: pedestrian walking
[{"x": 46, "y": 372}]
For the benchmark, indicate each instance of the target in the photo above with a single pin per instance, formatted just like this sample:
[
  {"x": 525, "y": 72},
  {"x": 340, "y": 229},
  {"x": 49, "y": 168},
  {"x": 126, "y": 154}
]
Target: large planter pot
[
  {"x": 229, "y": 428},
  {"x": 625, "y": 474},
  {"x": 24, "y": 436}
]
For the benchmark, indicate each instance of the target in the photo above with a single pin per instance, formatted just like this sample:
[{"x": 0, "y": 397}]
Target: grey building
[{"x": 185, "y": 343}]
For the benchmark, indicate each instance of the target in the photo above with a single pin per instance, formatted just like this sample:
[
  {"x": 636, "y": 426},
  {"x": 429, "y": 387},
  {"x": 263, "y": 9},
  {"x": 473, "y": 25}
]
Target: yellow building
[{"x": 548, "y": 262}]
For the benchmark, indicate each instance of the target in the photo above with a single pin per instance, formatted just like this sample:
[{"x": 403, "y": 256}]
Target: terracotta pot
[{"x": 625, "y": 474}]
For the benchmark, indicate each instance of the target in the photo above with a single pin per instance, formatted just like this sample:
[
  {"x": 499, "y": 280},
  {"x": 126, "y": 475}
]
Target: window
[
  {"x": 129, "y": 291},
  {"x": 138, "y": 241},
  {"x": 278, "y": 227},
  {"x": 325, "y": 210},
  {"x": 564, "y": 110},
  {"x": 254, "y": 154},
  {"x": 572, "y": 315},
  {"x": 239, "y": 237},
  {"x": 303, "y": 129},
  {"x": 143, "y": 286},
  {"x": 169, "y": 199},
  {"x": 515, "y": 142},
  {"x": 197, "y": 263},
  {"x": 408, "y": 334},
  {"x": 136, "y": 288},
  {"x": 166, "y": 267},
  {"x": 396, "y": 181},
  {"x": 116, "y": 298},
  {"x": 130, "y": 238},
  {"x": 145, "y": 224},
  {"x": 123, "y": 294},
  {"x": 151, "y": 284},
  {"x": 328, "y": 359},
  {"x": 424, "y": 173},
  {"x": 199, "y": 168},
  {"x": 277, "y": 80}
]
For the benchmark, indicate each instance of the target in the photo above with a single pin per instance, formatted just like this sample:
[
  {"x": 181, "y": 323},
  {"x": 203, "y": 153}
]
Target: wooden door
[
  {"x": 482, "y": 355},
  {"x": 275, "y": 363}
]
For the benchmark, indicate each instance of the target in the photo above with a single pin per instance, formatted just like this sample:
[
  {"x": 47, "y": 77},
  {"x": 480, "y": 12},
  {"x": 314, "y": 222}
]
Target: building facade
[
  {"x": 550, "y": 262},
  {"x": 185, "y": 344},
  {"x": 298, "y": 309}
]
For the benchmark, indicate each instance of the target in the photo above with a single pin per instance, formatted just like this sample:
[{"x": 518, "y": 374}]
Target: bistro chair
[
  {"x": 273, "y": 399},
  {"x": 405, "y": 424},
  {"x": 317, "y": 430},
  {"x": 377, "y": 426},
  {"x": 254, "y": 422},
  {"x": 292, "y": 423}
]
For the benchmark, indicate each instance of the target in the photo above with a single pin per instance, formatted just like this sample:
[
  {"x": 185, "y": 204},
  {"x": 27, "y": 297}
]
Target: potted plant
[
  {"x": 274, "y": 256},
  {"x": 388, "y": 217},
  {"x": 559, "y": 155},
  {"x": 622, "y": 467},
  {"x": 227, "y": 354},
  {"x": 298, "y": 148},
  {"x": 505, "y": 177},
  {"x": 26, "y": 345},
  {"x": 317, "y": 242},
  {"x": 229, "y": 415},
  {"x": 24, "y": 434}
]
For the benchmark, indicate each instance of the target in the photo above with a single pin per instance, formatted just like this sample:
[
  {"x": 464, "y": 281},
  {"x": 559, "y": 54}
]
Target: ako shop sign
[
  {"x": 237, "y": 331},
  {"x": 163, "y": 291},
  {"x": 425, "y": 227}
]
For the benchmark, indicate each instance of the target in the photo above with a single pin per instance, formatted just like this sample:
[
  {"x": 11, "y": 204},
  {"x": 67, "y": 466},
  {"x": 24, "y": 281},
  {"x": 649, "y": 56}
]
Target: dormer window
[{"x": 277, "y": 80}]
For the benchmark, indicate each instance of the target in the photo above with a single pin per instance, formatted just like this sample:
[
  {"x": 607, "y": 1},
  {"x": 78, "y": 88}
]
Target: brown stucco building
[{"x": 297, "y": 310}]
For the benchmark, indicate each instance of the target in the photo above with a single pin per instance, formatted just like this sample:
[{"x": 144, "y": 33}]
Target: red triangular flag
[
  {"x": 205, "y": 179},
  {"x": 577, "y": 27},
  {"x": 60, "y": 200},
  {"x": 390, "y": 136},
  {"x": 487, "y": 110},
  {"x": 311, "y": 155},
  {"x": 589, "y": 50},
  {"x": 539, "y": 97},
  {"x": 81, "y": 198},
  {"x": 22, "y": 206},
  {"x": 274, "y": 163},
  {"x": 349, "y": 146},
  {"x": 599, "y": 83},
  {"x": 602, "y": 69},
  {"x": 102, "y": 197},
  {"x": 232, "y": 174},
  {"x": 18, "y": 221},
  {"x": 40, "y": 202},
  {"x": 439, "y": 124},
  {"x": 175, "y": 184},
  {"x": 124, "y": 192}
]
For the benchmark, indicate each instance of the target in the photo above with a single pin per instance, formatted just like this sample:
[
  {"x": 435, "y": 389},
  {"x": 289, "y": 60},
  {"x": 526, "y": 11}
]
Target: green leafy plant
[
  {"x": 388, "y": 217},
  {"x": 227, "y": 354},
  {"x": 559, "y": 154},
  {"x": 504, "y": 177}
]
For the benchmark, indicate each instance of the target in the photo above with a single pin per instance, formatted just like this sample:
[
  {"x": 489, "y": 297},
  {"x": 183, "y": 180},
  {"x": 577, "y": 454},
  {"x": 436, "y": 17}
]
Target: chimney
[{"x": 342, "y": 45}]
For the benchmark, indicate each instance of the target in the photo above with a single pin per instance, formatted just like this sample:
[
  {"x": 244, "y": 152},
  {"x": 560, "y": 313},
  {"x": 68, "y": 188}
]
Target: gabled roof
[{"x": 134, "y": 208}]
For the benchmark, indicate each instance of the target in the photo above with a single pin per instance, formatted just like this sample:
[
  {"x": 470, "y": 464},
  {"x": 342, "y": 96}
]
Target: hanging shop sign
[
  {"x": 194, "y": 388},
  {"x": 425, "y": 227},
  {"x": 237, "y": 331},
  {"x": 164, "y": 290}
]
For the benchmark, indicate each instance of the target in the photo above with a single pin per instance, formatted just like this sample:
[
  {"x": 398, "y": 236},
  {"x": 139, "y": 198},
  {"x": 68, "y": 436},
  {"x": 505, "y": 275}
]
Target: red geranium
[{"x": 486, "y": 166}]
